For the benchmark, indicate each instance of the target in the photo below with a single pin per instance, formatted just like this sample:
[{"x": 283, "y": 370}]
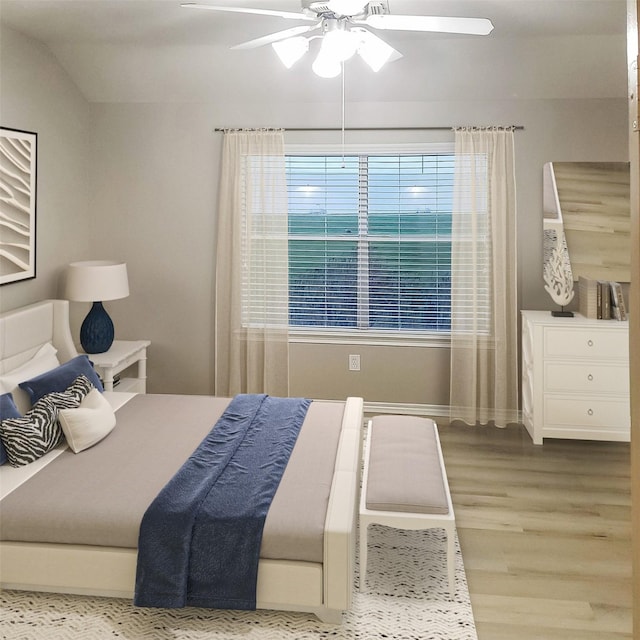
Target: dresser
[{"x": 575, "y": 377}]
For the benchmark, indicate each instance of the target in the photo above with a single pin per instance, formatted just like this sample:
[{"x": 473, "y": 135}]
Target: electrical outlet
[{"x": 354, "y": 363}]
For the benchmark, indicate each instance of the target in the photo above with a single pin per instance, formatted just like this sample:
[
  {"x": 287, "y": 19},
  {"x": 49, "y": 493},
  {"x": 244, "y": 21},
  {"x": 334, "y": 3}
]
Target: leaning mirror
[{"x": 587, "y": 218}]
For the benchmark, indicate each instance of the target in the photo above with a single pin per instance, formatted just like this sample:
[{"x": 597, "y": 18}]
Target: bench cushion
[{"x": 404, "y": 472}]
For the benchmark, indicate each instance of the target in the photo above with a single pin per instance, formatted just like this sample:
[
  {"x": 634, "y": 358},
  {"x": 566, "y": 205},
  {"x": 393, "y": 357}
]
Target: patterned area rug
[{"x": 406, "y": 598}]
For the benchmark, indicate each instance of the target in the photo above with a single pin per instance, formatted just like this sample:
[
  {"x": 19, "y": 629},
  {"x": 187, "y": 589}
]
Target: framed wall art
[{"x": 18, "y": 161}]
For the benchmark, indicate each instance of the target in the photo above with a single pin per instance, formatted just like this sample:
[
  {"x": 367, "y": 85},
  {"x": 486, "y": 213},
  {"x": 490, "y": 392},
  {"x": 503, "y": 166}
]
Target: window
[{"x": 370, "y": 240}]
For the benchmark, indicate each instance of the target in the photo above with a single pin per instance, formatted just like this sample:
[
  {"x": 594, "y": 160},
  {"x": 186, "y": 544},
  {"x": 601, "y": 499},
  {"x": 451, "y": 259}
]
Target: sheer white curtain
[
  {"x": 484, "y": 317},
  {"x": 251, "y": 304}
]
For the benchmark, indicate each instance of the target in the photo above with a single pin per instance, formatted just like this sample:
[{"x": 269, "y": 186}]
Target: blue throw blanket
[{"x": 199, "y": 541}]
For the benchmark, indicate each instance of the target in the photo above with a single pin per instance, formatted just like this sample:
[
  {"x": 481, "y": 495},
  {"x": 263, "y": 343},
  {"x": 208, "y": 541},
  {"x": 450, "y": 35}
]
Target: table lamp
[{"x": 96, "y": 281}]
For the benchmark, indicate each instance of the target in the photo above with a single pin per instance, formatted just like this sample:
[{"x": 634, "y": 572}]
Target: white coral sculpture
[{"x": 558, "y": 277}]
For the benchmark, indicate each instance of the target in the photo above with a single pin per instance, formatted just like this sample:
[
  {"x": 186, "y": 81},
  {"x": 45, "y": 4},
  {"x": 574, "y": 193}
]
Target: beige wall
[
  {"x": 37, "y": 95},
  {"x": 161, "y": 219},
  {"x": 151, "y": 200},
  {"x": 406, "y": 375}
]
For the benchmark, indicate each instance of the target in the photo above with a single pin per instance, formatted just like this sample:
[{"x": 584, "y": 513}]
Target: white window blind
[{"x": 370, "y": 241}]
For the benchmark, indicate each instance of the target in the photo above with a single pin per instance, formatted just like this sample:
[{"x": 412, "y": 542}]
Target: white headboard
[{"x": 23, "y": 331}]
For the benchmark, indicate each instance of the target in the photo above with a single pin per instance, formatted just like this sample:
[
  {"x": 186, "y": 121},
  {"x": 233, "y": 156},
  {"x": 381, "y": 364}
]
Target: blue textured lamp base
[{"x": 96, "y": 333}]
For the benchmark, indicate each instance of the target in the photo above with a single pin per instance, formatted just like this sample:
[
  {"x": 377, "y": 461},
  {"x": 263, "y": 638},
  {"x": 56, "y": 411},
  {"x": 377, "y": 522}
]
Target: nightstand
[{"x": 122, "y": 355}]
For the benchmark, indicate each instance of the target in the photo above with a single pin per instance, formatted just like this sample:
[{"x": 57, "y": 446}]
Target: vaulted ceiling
[{"x": 155, "y": 50}]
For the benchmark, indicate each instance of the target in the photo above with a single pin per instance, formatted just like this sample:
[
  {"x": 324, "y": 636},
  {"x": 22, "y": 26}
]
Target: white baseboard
[
  {"x": 426, "y": 410},
  {"x": 423, "y": 410}
]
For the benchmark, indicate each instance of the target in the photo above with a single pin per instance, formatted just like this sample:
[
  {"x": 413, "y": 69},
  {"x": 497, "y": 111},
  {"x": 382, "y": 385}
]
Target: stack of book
[
  {"x": 116, "y": 380},
  {"x": 601, "y": 299}
]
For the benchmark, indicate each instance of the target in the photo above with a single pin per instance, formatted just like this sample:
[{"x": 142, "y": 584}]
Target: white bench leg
[
  {"x": 451, "y": 560},
  {"x": 364, "y": 526}
]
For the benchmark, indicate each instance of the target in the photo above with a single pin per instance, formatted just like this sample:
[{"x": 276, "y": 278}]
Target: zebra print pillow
[{"x": 28, "y": 438}]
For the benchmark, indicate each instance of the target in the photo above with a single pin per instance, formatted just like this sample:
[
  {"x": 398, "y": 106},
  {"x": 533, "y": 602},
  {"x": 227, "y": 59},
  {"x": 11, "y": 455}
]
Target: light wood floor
[{"x": 545, "y": 533}]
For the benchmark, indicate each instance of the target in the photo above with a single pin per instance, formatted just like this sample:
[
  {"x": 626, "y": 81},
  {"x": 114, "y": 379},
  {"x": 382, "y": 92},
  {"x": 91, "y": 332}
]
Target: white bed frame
[{"x": 323, "y": 589}]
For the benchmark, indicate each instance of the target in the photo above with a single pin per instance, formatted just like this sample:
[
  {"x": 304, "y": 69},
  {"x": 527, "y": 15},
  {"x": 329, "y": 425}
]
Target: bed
[{"x": 44, "y": 547}]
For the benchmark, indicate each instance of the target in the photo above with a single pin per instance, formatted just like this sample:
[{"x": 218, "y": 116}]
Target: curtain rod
[{"x": 514, "y": 127}]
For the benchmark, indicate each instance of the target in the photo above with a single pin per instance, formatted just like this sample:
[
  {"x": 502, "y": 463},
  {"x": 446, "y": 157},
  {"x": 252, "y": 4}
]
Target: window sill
[{"x": 370, "y": 338}]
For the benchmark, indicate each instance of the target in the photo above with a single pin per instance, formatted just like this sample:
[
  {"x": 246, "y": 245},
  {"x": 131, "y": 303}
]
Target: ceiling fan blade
[
  {"x": 289, "y": 15},
  {"x": 275, "y": 37},
  {"x": 443, "y": 24}
]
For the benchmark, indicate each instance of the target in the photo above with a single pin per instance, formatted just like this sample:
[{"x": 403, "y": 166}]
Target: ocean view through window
[{"x": 370, "y": 241}]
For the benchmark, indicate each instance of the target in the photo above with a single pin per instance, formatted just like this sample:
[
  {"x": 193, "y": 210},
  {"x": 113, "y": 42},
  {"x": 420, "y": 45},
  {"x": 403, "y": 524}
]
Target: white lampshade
[
  {"x": 374, "y": 51},
  {"x": 326, "y": 67},
  {"x": 97, "y": 280},
  {"x": 291, "y": 50},
  {"x": 340, "y": 44}
]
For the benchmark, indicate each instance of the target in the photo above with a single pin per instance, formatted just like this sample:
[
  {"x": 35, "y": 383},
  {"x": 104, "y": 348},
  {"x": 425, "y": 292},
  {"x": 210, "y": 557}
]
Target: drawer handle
[
  {"x": 590, "y": 343},
  {"x": 590, "y": 377},
  {"x": 590, "y": 412}
]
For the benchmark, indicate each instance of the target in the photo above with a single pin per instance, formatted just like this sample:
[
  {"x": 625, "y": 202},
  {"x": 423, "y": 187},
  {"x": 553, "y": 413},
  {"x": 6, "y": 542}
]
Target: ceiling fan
[{"x": 344, "y": 27}]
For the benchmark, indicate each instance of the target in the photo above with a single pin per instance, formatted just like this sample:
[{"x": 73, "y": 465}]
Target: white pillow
[
  {"x": 92, "y": 421},
  {"x": 44, "y": 360}
]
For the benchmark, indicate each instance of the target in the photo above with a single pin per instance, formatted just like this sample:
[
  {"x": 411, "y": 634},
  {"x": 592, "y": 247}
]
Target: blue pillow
[
  {"x": 8, "y": 410},
  {"x": 60, "y": 378}
]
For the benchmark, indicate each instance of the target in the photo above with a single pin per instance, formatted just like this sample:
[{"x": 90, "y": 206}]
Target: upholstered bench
[{"x": 404, "y": 483}]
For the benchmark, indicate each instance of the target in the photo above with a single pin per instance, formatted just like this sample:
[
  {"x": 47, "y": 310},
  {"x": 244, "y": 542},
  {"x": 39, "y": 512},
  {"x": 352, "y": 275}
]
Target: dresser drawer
[
  {"x": 586, "y": 377},
  {"x": 593, "y": 343},
  {"x": 587, "y": 412}
]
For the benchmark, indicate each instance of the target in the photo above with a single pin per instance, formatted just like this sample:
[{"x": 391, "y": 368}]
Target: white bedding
[{"x": 12, "y": 477}]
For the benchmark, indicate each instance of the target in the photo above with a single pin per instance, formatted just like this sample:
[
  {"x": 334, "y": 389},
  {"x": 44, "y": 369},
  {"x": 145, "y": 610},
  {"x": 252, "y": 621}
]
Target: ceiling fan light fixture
[
  {"x": 291, "y": 50},
  {"x": 325, "y": 65},
  {"x": 374, "y": 51},
  {"x": 340, "y": 44}
]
